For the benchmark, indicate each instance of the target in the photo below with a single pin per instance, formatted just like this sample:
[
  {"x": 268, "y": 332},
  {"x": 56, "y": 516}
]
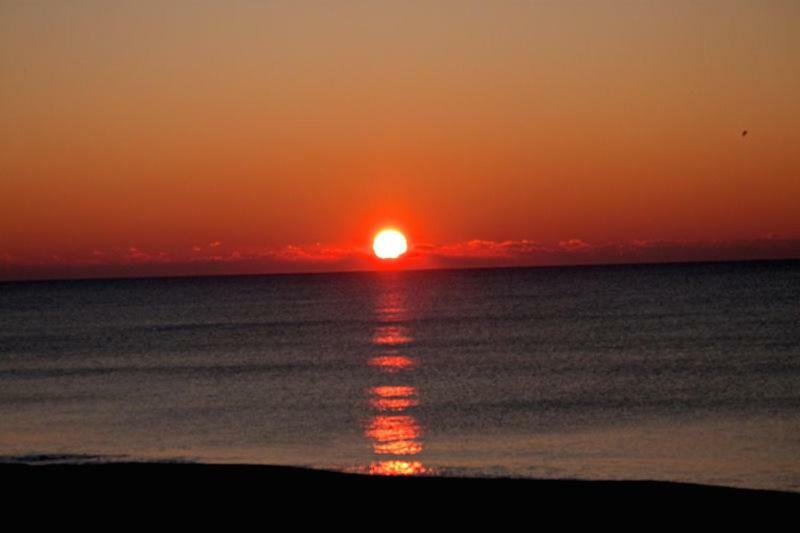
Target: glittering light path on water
[{"x": 395, "y": 434}]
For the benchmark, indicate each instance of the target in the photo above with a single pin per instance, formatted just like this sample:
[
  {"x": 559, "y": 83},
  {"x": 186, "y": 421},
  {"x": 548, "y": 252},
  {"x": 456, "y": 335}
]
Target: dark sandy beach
[{"x": 222, "y": 485}]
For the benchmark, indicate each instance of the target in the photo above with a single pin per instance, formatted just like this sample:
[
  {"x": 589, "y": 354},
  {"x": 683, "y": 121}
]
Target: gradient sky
[{"x": 144, "y": 138}]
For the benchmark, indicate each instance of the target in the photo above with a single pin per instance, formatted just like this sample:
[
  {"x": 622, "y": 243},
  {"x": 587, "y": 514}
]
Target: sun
[{"x": 389, "y": 244}]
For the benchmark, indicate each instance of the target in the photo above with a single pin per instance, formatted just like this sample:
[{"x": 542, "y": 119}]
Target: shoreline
[{"x": 232, "y": 482}]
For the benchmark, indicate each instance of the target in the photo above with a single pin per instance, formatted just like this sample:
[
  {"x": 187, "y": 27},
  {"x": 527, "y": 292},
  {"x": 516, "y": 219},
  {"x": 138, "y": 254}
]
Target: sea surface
[{"x": 672, "y": 372}]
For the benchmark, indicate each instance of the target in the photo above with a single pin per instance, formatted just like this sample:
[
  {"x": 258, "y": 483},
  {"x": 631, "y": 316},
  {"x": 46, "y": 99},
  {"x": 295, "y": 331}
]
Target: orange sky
[{"x": 141, "y": 138}]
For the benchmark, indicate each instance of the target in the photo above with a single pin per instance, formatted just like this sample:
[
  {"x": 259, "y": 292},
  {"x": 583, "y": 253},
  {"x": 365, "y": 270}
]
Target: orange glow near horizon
[{"x": 222, "y": 139}]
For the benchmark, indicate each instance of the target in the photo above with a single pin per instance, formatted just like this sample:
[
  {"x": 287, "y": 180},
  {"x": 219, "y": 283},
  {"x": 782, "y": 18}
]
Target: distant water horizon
[
  {"x": 668, "y": 371},
  {"x": 390, "y": 268}
]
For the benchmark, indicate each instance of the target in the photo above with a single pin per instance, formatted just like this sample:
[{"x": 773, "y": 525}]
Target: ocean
[{"x": 679, "y": 372}]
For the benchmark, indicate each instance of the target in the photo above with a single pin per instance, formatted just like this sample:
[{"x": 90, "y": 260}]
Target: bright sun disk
[{"x": 389, "y": 244}]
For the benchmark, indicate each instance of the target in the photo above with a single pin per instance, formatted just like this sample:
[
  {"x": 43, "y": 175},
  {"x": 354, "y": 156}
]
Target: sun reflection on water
[
  {"x": 392, "y": 364},
  {"x": 393, "y": 430},
  {"x": 391, "y": 336},
  {"x": 392, "y": 404},
  {"x": 398, "y": 468},
  {"x": 389, "y": 398},
  {"x": 402, "y": 391},
  {"x": 387, "y": 430}
]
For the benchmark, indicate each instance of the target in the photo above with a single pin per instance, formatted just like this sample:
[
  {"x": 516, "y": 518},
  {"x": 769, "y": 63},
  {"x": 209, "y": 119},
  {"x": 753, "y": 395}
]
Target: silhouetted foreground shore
[{"x": 242, "y": 484}]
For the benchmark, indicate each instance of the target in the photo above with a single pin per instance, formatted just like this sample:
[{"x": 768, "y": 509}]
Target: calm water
[{"x": 674, "y": 372}]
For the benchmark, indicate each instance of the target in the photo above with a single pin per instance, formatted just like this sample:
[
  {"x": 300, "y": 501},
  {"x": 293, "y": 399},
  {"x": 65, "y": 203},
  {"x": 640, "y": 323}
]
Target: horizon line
[{"x": 399, "y": 270}]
